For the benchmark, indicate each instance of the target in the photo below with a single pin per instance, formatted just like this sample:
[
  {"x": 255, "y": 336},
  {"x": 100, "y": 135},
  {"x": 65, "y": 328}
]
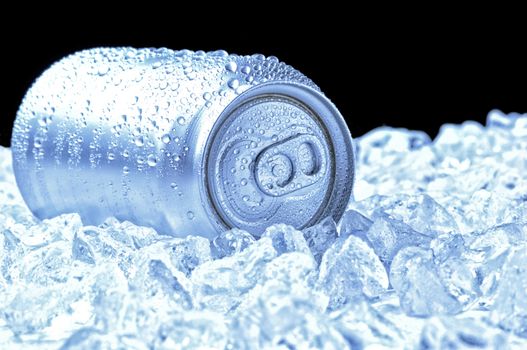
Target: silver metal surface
[{"x": 185, "y": 142}]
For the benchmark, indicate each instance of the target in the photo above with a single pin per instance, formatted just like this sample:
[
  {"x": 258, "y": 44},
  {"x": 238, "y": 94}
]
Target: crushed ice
[{"x": 431, "y": 254}]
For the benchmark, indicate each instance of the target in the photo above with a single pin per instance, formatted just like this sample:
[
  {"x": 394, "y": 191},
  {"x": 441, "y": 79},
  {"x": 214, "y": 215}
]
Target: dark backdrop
[{"x": 397, "y": 76}]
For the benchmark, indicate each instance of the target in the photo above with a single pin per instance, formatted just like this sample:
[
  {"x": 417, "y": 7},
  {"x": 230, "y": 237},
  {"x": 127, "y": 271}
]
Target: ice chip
[
  {"x": 159, "y": 271},
  {"x": 221, "y": 284},
  {"x": 89, "y": 338},
  {"x": 231, "y": 242},
  {"x": 286, "y": 238},
  {"x": 387, "y": 236},
  {"x": 388, "y": 144},
  {"x": 188, "y": 253},
  {"x": 456, "y": 268},
  {"x": 464, "y": 333},
  {"x": 31, "y": 312},
  {"x": 354, "y": 223},
  {"x": 155, "y": 276},
  {"x": 363, "y": 327},
  {"x": 414, "y": 277},
  {"x": 510, "y": 307},
  {"x": 292, "y": 268},
  {"x": 193, "y": 330},
  {"x": 421, "y": 212},
  {"x": 281, "y": 316},
  {"x": 81, "y": 251},
  {"x": 349, "y": 271},
  {"x": 50, "y": 264},
  {"x": 488, "y": 250},
  {"x": 320, "y": 237},
  {"x": 63, "y": 227}
]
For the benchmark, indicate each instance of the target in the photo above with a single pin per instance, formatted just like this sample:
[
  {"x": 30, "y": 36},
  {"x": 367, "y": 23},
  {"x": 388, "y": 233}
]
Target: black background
[{"x": 416, "y": 75}]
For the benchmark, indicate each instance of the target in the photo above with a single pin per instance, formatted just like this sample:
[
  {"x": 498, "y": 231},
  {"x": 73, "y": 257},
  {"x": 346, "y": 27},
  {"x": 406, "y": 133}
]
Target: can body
[{"x": 185, "y": 142}]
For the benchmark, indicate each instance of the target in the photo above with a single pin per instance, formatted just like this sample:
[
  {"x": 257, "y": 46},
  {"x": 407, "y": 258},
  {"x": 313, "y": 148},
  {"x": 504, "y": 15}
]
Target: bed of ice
[{"x": 431, "y": 254}]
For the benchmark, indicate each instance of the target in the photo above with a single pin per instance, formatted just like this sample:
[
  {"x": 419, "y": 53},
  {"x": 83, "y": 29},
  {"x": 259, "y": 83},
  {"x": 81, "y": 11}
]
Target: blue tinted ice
[
  {"x": 431, "y": 254},
  {"x": 320, "y": 237},
  {"x": 350, "y": 271},
  {"x": 231, "y": 242}
]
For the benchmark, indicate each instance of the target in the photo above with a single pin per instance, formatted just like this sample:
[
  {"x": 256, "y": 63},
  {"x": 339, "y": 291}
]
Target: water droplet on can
[
  {"x": 166, "y": 139},
  {"x": 233, "y": 84},
  {"x": 139, "y": 140},
  {"x": 231, "y": 66},
  {"x": 152, "y": 160}
]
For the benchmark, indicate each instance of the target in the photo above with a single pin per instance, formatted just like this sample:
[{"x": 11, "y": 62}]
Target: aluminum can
[{"x": 185, "y": 142}]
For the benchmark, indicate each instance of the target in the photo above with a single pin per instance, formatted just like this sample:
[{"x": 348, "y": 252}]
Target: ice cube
[
  {"x": 280, "y": 315},
  {"x": 192, "y": 330},
  {"x": 510, "y": 307},
  {"x": 188, "y": 253},
  {"x": 421, "y": 212},
  {"x": 463, "y": 333},
  {"x": 386, "y": 144},
  {"x": 414, "y": 277},
  {"x": 220, "y": 284},
  {"x": 34, "y": 307},
  {"x": 231, "y": 242},
  {"x": 349, "y": 271},
  {"x": 320, "y": 237},
  {"x": 286, "y": 238},
  {"x": 82, "y": 251},
  {"x": 354, "y": 223},
  {"x": 155, "y": 275},
  {"x": 387, "y": 236},
  {"x": 364, "y": 327}
]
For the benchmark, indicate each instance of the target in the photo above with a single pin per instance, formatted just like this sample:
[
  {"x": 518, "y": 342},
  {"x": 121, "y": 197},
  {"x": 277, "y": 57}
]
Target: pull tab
[{"x": 290, "y": 165}]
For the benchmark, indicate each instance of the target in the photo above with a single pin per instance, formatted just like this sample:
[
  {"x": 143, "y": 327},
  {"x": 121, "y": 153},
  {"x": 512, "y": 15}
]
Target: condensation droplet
[
  {"x": 152, "y": 160},
  {"x": 231, "y": 66},
  {"x": 139, "y": 140},
  {"x": 190, "y": 215},
  {"x": 181, "y": 120},
  {"x": 166, "y": 139},
  {"x": 38, "y": 142},
  {"x": 245, "y": 69},
  {"x": 174, "y": 186},
  {"x": 111, "y": 156},
  {"x": 103, "y": 70},
  {"x": 126, "y": 170},
  {"x": 233, "y": 84}
]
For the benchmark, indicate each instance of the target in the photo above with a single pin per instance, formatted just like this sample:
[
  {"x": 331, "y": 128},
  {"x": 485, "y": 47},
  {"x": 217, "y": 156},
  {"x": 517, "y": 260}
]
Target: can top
[{"x": 275, "y": 156}]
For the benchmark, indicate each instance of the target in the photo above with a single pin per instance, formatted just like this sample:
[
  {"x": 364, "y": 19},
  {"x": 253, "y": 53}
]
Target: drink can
[{"x": 185, "y": 142}]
